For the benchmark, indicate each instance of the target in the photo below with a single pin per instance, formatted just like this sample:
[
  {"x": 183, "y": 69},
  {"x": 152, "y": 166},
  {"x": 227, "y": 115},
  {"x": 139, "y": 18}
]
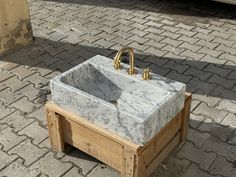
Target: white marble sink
[{"x": 125, "y": 104}]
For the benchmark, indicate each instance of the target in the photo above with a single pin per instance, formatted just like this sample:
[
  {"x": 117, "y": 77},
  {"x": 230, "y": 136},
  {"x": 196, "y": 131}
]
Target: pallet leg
[
  {"x": 55, "y": 130},
  {"x": 185, "y": 117},
  {"x": 132, "y": 166}
]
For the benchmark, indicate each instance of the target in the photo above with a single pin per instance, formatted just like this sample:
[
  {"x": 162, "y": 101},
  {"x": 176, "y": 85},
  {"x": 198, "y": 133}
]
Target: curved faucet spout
[{"x": 117, "y": 59}]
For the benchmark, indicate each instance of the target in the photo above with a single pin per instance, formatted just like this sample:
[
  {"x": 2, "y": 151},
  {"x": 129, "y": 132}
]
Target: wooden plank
[
  {"x": 128, "y": 160},
  {"x": 89, "y": 125},
  {"x": 165, "y": 135},
  {"x": 93, "y": 143},
  {"x": 185, "y": 117},
  {"x": 163, "y": 154},
  {"x": 55, "y": 130}
]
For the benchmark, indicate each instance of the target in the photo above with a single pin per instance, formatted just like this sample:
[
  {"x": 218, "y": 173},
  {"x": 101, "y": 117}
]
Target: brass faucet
[
  {"x": 146, "y": 74},
  {"x": 117, "y": 59}
]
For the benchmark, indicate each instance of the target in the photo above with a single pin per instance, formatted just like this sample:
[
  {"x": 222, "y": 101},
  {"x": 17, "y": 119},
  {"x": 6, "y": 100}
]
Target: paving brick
[
  {"x": 17, "y": 121},
  {"x": 21, "y": 72},
  {"x": 189, "y": 46},
  {"x": 197, "y": 138},
  {"x": 19, "y": 170},
  {"x": 202, "y": 75},
  {"x": 154, "y": 44},
  {"x": 217, "y": 70},
  {"x": 82, "y": 160},
  {"x": 180, "y": 68},
  {"x": 6, "y": 159},
  {"x": 4, "y": 75},
  {"x": 210, "y": 112},
  {"x": 184, "y": 26},
  {"x": 159, "y": 70},
  {"x": 230, "y": 120},
  {"x": 215, "y": 129},
  {"x": 194, "y": 55},
  {"x": 37, "y": 80},
  {"x": 28, "y": 151},
  {"x": 8, "y": 97},
  {"x": 169, "y": 28},
  {"x": 202, "y": 30},
  {"x": 224, "y": 48},
  {"x": 5, "y": 111},
  {"x": 9, "y": 139},
  {"x": 30, "y": 91},
  {"x": 172, "y": 166},
  {"x": 51, "y": 166},
  {"x": 224, "y": 149},
  {"x": 210, "y": 52},
  {"x": 172, "y": 42},
  {"x": 155, "y": 52},
  {"x": 171, "y": 35},
  {"x": 229, "y": 57},
  {"x": 103, "y": 170},
  {"x": 74, "y": 172},
  {"x": 14, "y": 83},
  {"x": 36, "y": 132},
  {"x": 228, "y": 105},
  {"x": 206, "y": 43},
  {"x": 200, "y": 87},
  {"x": 194, "y": 171},
  {"x": 178, "y": 77},
  {"x": 232, "y": 75},
  {"x": 221, "y": 81},
  {"x": 204, "y": 159},
  {"x": 24, "y": 105},
  {"x": 195, "y": 120},
  {"x": 222, "y": 167},
  {"x": 190, "y": 40},
  {"x": 209, "y": 100}
]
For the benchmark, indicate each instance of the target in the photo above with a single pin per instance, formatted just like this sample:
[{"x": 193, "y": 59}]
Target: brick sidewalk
[{"x": 192, "y": 42}]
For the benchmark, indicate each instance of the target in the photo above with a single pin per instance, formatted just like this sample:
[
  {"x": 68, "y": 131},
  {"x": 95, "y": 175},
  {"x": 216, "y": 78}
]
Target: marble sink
[{"x": 125, "y": 104}]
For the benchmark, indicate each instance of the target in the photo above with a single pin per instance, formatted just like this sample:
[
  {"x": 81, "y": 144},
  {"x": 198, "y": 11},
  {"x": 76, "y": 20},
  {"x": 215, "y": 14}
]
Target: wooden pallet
[{"x": 130, "y": 159}]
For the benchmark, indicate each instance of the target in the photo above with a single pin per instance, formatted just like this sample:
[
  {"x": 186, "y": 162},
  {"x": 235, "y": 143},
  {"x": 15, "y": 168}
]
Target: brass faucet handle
[
  {"x": 146, "y": 74},
  {"x": 117, "y": 65}
]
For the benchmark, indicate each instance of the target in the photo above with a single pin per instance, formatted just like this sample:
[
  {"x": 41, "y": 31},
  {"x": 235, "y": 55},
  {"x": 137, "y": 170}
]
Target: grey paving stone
[
  {"x": 9, "y": 139},
  {"x": 36, "y": 132},
  {"x": 14, "y": 83},
  {"x": 74, "y": 172},
  {"x": 221, "y": 81},
  {"x": 37, "y": 80},
  {"x": 6, "y": 159},
  {"x": 103, "y": 171},
  {"x": 17, "y": 121},
  {"x": 230, "y": 120},
  {"x": 209, "y": 100},
  {"x": 216, "y": 129},
  {"x": 172, "y": 166},
  {"x": 215, "y": 145},
  {"x": 195, "y": 120},
  {"x": 202, "y": 75},
  {"x": 21, "y": 72},
  {"x": 197, "y": 138},
  {"x": 217, "y": 70},
  {"x": 210, "y": 112},
  {"x": 228, "y": 105},
  {"x": 4, "y": 111},
  {"x": 19, "y": 170},
  {"x": 189, "y": 46},
  {"x": 30, "y": 91},
  {"x": 194, "y": 171},
  {"x": 178, "y": 77},
  {"x": 28, "y": 151},
  {"x": 4, "y": 75},
  {"x": 222, "y": 167},
  {"x": 51, "y": 166},
  {"x": 204, "y": 159},
  {"x": 24, "y": 105},
  {"x": 82, "y": 160}
]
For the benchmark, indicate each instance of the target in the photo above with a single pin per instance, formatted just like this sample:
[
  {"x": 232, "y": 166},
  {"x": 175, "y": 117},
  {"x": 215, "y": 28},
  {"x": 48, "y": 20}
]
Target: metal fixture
[
  {"x": 146, "y": 74},
  {"x": 117, "y": 59}
]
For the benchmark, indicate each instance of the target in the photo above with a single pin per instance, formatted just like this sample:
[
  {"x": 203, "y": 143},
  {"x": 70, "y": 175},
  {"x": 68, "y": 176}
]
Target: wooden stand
[{"x": 130, "y": 159}]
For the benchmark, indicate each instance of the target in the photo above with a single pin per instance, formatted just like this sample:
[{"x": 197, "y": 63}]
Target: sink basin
[{"x": 125, "y": 104}]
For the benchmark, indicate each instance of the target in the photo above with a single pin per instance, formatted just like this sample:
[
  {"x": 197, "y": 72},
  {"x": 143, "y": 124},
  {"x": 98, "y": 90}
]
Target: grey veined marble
[{"x": 125, "y": 104}]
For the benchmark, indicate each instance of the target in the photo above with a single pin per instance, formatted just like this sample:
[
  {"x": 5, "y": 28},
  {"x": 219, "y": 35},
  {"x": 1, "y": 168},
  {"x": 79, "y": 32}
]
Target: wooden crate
[{"x": 130, "y": 159}]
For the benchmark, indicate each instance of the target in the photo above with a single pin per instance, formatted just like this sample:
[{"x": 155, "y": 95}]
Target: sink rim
[{"x": 57, "y": 80}]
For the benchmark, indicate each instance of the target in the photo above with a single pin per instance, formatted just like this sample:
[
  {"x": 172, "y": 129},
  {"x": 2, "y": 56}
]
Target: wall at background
[{"x": 15, "y": 27}]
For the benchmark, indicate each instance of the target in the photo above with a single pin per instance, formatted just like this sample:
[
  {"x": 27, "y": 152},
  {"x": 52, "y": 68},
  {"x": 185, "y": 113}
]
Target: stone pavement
[{"x": 192, "y": 42}]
